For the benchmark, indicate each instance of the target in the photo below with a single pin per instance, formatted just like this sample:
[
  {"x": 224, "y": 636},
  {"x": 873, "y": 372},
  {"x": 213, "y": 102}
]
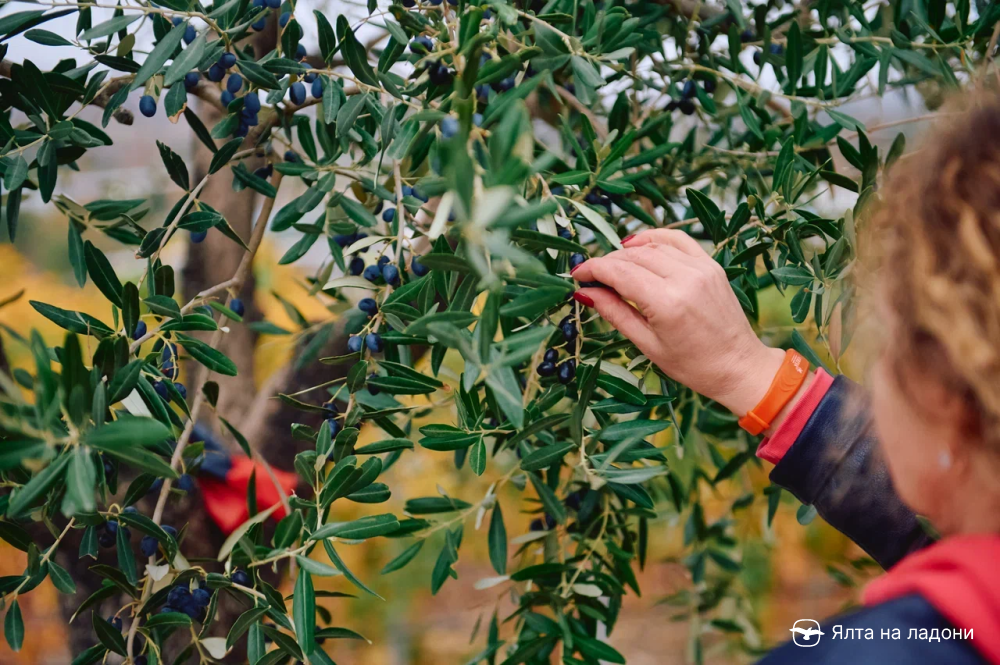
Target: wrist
[{"x": 756, "y": 371}]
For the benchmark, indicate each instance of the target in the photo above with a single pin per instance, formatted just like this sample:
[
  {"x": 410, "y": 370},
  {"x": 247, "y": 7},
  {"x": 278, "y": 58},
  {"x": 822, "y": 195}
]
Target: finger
[
  {"x": 673, "y": 237},
  {"x": 621, "y": 315},
  {"x": 667, "y": 262},
  {"x": 631, "y": 281}
]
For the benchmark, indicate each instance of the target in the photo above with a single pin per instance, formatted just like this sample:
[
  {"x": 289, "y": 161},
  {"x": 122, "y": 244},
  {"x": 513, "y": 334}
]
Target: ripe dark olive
[
  {"x": 147, "y": 106},
  {"x": 569, "y": 332},
  {"x": 201, "y": 597},
  {"x": 241, "y": 578},
  {"x": 567, "y": 371},
  {"x": 357, "y": 266},
  {"x": 354, "y": 344},
  {"x": 185, "y": 483},
  {"x": 251, "y": 102},
  {"x": 421, "y": 44},
  {"x": 551, "y": 356},
  {"x": 576, "y": 260},
  {"x": 140, "y": 330},
  {"x": 368, "y": 306},
  {"x": 373, "y": 389},
  {"x": 440, "y": 74},
  {"x": 689, "y": 89},
  {"x": 418, "y": 268},
  {"x": 390, "y": 274},
  {"x": 374, "y": 343},
  {"x": 546, "y": 369},
  {"x": 148, "y": 545},
  {"x": 686, "y": 106},
  {"x": 449, "y": 127},
  {"x": 372, "y": 273}
]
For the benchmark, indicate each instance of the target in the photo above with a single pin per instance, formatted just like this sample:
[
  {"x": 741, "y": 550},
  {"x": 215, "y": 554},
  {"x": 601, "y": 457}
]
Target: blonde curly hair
[{"x": 938, "y": 239}]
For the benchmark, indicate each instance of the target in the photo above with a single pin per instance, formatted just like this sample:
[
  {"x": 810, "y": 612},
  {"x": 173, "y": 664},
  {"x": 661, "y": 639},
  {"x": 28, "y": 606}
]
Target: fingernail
[
  {"x": 627, "y": 238},
  {"x": 583, "y": 299},
  {"x": 574, "y": 268}
]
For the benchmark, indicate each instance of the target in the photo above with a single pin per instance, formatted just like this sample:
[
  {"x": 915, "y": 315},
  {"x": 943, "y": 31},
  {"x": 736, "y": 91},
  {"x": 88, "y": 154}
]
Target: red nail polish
[
  {"x": 574, "y": 269},
  {"x": 627, "y": 238},
  {"x": 583, "y": 299}
]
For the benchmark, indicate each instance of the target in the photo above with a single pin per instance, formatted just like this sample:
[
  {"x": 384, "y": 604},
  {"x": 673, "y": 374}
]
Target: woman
[{"x": 925, "y": 441}]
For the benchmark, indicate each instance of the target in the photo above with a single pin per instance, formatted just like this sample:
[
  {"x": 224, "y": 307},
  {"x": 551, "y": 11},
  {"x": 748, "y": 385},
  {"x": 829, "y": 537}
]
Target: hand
[{"x": 686, "y": 318}]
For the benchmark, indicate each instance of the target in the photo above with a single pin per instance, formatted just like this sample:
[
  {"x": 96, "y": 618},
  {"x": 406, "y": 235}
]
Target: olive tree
[{"x": 453, "y": 171}]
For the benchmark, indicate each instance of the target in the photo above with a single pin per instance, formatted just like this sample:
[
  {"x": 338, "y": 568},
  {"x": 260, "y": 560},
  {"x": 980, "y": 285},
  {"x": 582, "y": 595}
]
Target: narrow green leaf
[
  {"x": 13, "y": 626},
  {"x": 497, "y": 541},
  {"x": 403, "y": 558},
  {"x": 159, "y": 55},
  {"x": 304, "y": 612},
  {"x": 103, "y": 273}
]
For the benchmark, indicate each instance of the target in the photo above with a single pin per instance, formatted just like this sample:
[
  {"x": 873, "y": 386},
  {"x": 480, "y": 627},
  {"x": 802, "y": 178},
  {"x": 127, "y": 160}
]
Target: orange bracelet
[{"x": 792, "y": 373}]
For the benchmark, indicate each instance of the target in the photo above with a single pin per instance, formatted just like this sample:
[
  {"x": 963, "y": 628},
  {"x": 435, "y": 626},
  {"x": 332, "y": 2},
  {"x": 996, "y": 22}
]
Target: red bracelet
[{"x": 792, "y": 373}]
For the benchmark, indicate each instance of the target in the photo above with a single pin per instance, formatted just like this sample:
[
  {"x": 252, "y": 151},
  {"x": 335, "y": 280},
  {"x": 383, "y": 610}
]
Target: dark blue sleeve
[{"x": 835, "y": 465}]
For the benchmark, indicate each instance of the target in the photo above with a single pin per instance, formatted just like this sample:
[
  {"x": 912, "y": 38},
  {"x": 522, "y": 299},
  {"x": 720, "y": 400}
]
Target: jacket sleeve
[{"x": 835, "y": 465}]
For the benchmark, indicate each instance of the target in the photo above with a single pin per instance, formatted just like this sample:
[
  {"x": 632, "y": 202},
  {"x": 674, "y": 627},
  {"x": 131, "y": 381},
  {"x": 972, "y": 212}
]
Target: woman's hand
[{"x": 686, "y": 318}]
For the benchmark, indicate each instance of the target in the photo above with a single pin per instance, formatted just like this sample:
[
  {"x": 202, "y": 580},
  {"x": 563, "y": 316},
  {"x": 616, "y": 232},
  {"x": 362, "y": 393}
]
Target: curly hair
[{"x": 938, "y": 238}]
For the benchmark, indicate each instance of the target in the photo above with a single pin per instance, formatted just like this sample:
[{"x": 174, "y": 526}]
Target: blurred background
[{"x": 792, "y": 571}]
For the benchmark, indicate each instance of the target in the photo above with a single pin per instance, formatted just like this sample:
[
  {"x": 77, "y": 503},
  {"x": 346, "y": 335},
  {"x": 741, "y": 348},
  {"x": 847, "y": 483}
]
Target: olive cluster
[{"x": 564, "y": 371}]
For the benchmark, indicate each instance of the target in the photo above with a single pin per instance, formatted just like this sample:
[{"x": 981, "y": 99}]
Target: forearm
[{"x": 747, "y": 391}]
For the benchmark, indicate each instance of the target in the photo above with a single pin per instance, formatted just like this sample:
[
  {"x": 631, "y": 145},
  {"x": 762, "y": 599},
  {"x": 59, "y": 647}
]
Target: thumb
[{"x": 621, "y": 315}]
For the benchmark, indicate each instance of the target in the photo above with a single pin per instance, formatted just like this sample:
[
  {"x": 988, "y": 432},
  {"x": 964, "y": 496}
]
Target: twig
[
  {"x": 45, "y": 557},
  {"x": 218, "y": 288},
  {"x": 199, "y": 399}
]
